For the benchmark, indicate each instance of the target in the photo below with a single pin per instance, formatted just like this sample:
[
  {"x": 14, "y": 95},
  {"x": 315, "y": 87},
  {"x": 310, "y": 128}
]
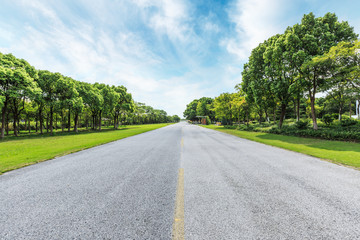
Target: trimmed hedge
[{"x": 345, "y": 130}]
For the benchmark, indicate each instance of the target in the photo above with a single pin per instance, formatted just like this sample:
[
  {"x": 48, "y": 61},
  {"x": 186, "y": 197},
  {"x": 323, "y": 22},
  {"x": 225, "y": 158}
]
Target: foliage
[
  {"x": 348, "y": 122},
  {"x": 302, "y": 124},
  {"x": 200, "y": 107},
  {"x": 328, "y": 119},
  {"x": 285, "y": 73},
  {"x": 47, "y": 100},
  {"x": 224, "y": 108}
]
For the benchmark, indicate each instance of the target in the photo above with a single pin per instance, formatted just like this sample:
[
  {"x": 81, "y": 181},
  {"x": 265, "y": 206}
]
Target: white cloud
[
  {"x": 166, "y": 76},
  {"x": 255, "y": 21}
]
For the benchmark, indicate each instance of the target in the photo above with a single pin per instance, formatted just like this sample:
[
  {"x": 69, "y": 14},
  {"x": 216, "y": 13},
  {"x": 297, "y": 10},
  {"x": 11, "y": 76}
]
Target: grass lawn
[
  {"x": 22, "y": 151},
  {"x": 346, "y": 153}
]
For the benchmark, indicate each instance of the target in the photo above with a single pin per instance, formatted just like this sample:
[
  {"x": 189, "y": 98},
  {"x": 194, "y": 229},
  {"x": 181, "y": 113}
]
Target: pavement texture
[
  {"x": 121, "y": 190},
  {"x": 239, "y": 189},
  {"x": 233, "y": 189}
]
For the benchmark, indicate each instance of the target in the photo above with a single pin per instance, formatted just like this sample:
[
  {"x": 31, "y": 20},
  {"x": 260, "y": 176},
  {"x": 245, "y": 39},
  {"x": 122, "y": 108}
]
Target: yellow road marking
[
  {"x": 178, "y": 225},
  {"x": 182, "y": 142}
]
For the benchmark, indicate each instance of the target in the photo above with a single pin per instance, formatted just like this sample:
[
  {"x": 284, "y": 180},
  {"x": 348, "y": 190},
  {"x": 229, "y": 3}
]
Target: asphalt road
[{"x": 233, "y": 189}]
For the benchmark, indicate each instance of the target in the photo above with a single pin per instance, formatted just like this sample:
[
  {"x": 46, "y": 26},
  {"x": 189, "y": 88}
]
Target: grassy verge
[
  {"x": 346, "y": 153},
  {"x": 19, "y": 152}
]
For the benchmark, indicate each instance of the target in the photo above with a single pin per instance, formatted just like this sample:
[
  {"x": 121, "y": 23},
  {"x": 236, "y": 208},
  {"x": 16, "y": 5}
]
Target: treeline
[
  {"x": 311, "y": 70},
  {"x": 38, "y": 100}
]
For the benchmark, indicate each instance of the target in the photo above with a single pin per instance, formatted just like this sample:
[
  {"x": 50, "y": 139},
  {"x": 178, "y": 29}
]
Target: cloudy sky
[{"x": 166, "y": 52}]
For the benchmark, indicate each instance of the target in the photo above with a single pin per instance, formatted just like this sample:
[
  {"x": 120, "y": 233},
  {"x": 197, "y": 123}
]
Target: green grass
[
  {"x": 346, "y": 153},
  {"x": 22, "y": 151}
]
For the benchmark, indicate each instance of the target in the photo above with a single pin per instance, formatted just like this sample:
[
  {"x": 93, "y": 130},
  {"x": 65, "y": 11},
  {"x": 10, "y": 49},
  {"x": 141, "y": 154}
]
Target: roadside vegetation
[
  {"x": 304, "y": 82},
  {"x": 41, "y": 101},
  {"x": 16, "y": 152}
]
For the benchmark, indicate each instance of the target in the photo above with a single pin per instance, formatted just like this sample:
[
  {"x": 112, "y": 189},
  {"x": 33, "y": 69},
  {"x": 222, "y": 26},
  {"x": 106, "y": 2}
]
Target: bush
[
  {"x": 348, "y": 122},
  {"x": 225, "y": 121},
  {"x": 335, "y": 116},
  {"x": 230, "y": 126},
  {"x": 327, "y": 119},
  {"x": 302, "y": 124},
  {"x": 208, "y": 120}
]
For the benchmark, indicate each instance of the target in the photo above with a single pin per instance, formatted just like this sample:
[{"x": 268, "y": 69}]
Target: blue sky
[{"x": 166, "y": 52}]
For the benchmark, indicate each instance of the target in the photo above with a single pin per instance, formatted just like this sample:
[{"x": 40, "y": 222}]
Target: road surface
[{"x": 142, "y": 186}]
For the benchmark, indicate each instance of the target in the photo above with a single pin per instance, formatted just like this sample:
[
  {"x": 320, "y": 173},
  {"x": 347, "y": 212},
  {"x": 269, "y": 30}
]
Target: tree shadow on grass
[{"x": 314, "y": 143}]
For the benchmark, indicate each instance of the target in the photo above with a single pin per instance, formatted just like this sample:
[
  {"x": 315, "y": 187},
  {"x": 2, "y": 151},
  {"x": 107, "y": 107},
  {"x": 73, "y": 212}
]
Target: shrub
[
  {"x": 348, "y": 122},
  {"x": 302, "y": 124},
  {"x": 327, "y": 119},
  {"x": 335, "y": 116},
  {"x": 208, "y": 121}
]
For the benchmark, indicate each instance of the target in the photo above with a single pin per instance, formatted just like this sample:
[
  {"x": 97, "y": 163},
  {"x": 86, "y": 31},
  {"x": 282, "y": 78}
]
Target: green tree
[
  {"x": 314, "y": 37},
  {"x": 204, "y": 107},
  {"x": 16, "y": 85},
  {"x": 190, "y": 111},
  {"x": 278, "y": 71},
  {"x": 256, "y": 85},
  {"x": 223, "y": 108}
]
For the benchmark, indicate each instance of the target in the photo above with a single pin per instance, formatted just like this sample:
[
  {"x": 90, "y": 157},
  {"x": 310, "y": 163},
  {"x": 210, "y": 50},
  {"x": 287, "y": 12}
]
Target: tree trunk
[
  {"x": 313, "y": 113},
  {"x": 298, "y": 109},
  {"x": 15, "y": 126},
  {"x": 18, "y": 123},
  {"x": 7, "y": 124},
  {"x": 247, "y": 117},
  {"x": 100, "y": 120},
  {"x": 69, "y": 121},
  {"x": 76, "y": 122},
  {"x": 274, "y": 115},
  {"x": 41, "y": 121},
  {"x": 55, "y": 116},
  {"x": 62, "y": 121},
  {"x": 260, "y": 115},
  {"x": 267, "y": 116},
  {"x": 340, "y": 112},
  {"x": 350, "y": 109},
  {"x": 282, "y": 115},
  {"x": 47, "y": 123},
  {"x": 3, "y": 114},
  {"x": 51, "y": 120},
  {"x": 29, "y": 127}
]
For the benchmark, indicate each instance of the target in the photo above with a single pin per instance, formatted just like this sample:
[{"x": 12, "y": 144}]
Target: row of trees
[
  {"x": 44, "y": 100},
  {"x": 311, "y": 68},
  {"x": 200, "y": 107}
]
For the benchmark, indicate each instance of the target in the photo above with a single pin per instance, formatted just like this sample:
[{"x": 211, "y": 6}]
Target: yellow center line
[{"x": 178, "y": 225}]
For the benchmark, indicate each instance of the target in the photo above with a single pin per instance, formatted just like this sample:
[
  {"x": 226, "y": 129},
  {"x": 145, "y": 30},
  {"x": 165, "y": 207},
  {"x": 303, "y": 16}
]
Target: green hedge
[{"x": 345, "y": 130}]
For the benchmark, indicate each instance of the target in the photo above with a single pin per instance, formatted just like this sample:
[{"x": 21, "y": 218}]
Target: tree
[
  {"x": 256, "y": 84},
  {"x": 16, "y": 85},
  {"x": 223, "y": 108},
  {"x": 49, "y": 83},
  {"x": 92, "y": 99},
  {"x": 204, "y": 108},
  {"x": 176, "y": 118},
  {"x": 239, "y": 106},
  {"x": 190, "y": 111},
  {"x": 314, "y": 37},
  {"x": 278, "y": 71}
]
